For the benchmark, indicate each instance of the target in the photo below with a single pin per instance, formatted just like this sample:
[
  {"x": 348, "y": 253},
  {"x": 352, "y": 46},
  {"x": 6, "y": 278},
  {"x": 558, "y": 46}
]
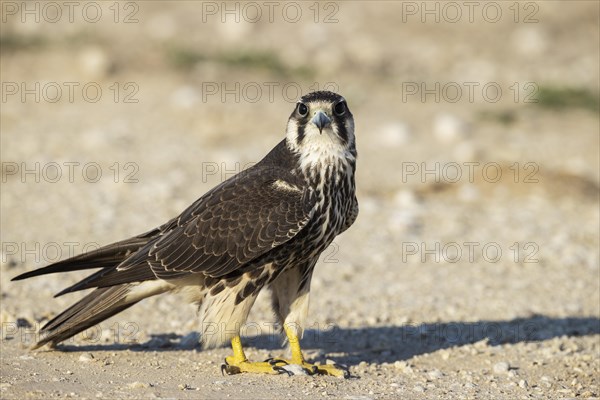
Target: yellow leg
[{"x": 298, "y": 358}]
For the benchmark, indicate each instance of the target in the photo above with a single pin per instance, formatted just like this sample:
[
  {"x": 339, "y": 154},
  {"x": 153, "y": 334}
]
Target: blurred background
[{"x": 477, "y": 128}]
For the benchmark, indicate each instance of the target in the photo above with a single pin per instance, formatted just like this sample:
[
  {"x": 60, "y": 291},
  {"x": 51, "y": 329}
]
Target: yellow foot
[
  {"x": 234, "y": 366},
  {"x": 238, "y": 363},
  {"x": 275, "y": 366}
]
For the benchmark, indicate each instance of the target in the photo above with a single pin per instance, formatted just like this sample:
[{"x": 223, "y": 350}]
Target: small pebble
[
  {"x": 23, "y": 323},
  {"x": 523, "y": 384},
  {"x": 87, "y": 357},
  {"x": 94, "y": 62},
  {"x": 449, "y": 128},
  {"x": 394, "y": 134},
  {"x": 295, "y": 369},
  {"x": 138, "y": 385},
  {"x": 400, "y": 364},
  {"x": 435, "y": 374},
  {"x": 501, "y": 367},
  {"x": 185, "y": 97},
  {"x": 418, "y": 388}
]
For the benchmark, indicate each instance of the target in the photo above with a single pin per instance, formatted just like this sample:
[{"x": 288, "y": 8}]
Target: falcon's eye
[
  {"x": 302, "y": 109},
  {"x": 340, "y": 108}
]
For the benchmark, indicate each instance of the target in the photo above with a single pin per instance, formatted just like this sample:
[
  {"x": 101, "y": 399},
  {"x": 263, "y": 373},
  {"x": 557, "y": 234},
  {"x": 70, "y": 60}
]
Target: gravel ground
[{"x": 473, "y": 270}]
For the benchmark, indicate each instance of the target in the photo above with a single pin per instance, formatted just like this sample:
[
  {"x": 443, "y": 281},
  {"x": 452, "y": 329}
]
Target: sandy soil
[{"x": 478, "y": 285}]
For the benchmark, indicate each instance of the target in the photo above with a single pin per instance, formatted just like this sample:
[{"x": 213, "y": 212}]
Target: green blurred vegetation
[
  {"x": 257, "y": 60},
  {"x": 11, "y": 43},
  {"x": 559, "y": 98},
  {"x": 549, "y": 97},
  {"x": 505, "y": 117}
]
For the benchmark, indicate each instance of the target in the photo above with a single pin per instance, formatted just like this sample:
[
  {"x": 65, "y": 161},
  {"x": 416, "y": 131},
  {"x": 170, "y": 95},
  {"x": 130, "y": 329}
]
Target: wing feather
[
  {"x": 235, "y": 223},
  {"x": 231, "y": 227}
]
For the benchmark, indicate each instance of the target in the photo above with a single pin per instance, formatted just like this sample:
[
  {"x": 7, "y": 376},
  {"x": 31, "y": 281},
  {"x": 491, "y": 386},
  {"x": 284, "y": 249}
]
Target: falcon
[{"x": 261, "y": 229}]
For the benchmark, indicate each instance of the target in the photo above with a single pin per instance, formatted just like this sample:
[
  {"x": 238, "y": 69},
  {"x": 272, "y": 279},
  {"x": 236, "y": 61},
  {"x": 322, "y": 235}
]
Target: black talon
[
  {"x": 313, "y": 370},
  {"x": 282, "y": 370},
  {"x": 224, "y": 367},
  {"x": 229, "y": 369},
  {"x": 275, "y": 361},
  {"x": 232, "y": 370},
  {"x": 343, "y": 368}
]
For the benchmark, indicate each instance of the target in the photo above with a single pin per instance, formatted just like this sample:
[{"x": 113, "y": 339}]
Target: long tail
[
  {"x": 115, "y": 290},
  {"x": 97, "y": 306}
]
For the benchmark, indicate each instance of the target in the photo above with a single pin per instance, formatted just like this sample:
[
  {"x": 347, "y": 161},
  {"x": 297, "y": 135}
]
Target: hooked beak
[{"x": 321, "y": 120}]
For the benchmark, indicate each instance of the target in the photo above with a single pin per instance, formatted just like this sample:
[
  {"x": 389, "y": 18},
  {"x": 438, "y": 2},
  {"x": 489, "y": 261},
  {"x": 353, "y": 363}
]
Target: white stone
[
  {"x": 530, "y": 40},
  {"x": 449, "y": 128},
  {"x": 394, "y": 134},
  {"x": 94, "y": 62},
  {"x": 501, "y": 367},
  {"x": 185, "y": 97}
]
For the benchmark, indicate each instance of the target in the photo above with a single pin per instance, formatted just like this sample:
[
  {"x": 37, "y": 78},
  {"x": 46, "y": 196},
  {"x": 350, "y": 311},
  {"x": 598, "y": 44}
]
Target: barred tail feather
[{"x": 94, "y": 308}]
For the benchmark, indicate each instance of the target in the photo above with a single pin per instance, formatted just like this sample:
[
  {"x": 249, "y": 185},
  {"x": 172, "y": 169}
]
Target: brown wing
[{"x": 235, "y": 223}]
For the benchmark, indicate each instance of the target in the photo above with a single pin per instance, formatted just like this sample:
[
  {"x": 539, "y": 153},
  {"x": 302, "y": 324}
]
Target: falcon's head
[{"x": 321, "y": 129}]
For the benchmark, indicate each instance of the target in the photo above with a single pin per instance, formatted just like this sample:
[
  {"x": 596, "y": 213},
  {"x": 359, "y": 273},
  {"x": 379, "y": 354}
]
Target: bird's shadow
[
  {"x": 398, "y": 343},
  {"x": 380, "y": 344}
]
